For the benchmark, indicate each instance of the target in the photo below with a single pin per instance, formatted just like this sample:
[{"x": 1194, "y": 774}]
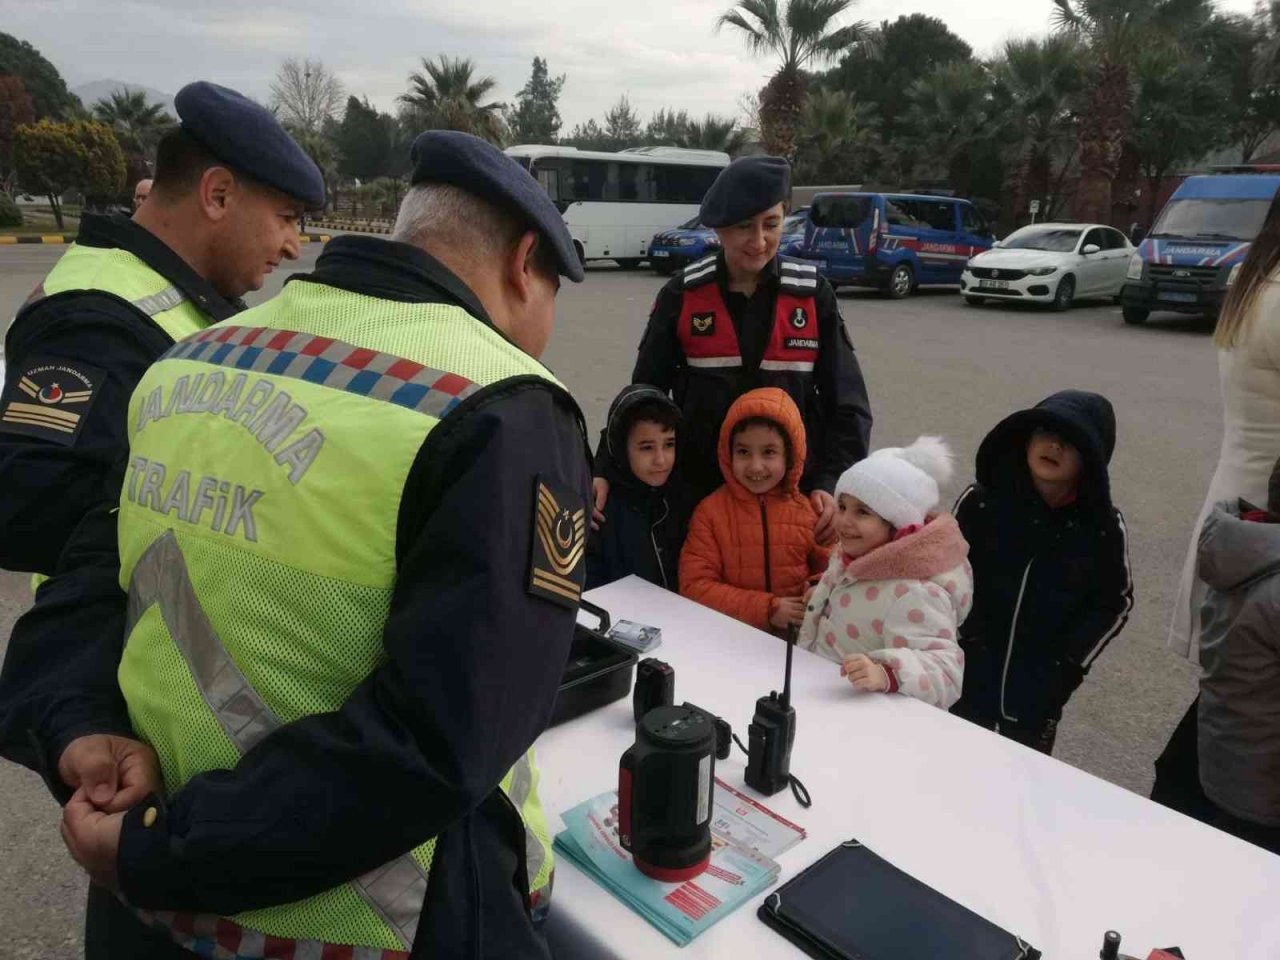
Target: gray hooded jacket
[{"x": 1240, "y": 653}]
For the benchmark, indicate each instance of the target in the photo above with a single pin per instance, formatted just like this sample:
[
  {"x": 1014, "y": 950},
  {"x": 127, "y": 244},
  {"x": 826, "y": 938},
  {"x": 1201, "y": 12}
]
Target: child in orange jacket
[{"x": 751, "y": 548}]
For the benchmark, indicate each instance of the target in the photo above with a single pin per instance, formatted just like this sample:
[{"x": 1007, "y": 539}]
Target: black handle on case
[{"x": 600, "y": 614}]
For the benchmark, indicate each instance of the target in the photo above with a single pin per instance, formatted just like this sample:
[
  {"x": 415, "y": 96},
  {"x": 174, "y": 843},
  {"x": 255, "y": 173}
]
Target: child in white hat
[{"x": 890, "y": 605}]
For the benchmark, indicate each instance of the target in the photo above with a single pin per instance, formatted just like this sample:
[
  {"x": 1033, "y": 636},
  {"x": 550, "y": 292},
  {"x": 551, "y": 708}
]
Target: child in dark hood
[
  {"x": 644, "y": 523},
  {"x": 1239, "y": 707},
  {"x": 1050, "y": 565}
]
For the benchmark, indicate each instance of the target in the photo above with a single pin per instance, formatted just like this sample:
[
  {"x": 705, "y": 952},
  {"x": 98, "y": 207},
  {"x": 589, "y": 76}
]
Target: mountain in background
[{"x": 91, "y": 93}]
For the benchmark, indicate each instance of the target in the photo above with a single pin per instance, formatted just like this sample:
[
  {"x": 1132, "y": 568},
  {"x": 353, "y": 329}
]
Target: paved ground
[{"x": 933, "y": 365}]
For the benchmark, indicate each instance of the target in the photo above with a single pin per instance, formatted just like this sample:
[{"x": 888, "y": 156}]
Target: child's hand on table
[{"x": 865, "y": 674}]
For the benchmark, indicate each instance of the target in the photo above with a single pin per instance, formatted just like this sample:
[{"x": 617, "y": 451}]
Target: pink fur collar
[{"x": 936, "y": 548}]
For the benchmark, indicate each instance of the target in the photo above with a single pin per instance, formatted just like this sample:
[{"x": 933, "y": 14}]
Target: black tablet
[{"x": 855, "y": 905}]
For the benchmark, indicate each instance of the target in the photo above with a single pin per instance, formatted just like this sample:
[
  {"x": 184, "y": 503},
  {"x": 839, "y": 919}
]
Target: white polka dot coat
[{"x": 902, "y": 605}]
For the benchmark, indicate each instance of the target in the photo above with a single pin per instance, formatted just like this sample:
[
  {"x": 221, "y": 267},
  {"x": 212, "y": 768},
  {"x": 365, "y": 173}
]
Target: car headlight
[
  {"x": 685, "y": 242},
  {"x": 1235, "y": 272},
  {"x": 1135, "y": 267},
  {"x": 1041, "y": 271}
]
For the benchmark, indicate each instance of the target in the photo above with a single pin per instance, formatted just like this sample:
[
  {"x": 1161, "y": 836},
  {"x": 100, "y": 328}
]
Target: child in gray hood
[{"x": 1239, "y": 560}]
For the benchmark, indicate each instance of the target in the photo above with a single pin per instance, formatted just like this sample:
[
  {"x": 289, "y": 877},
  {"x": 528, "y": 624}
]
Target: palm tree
[
  {"x": 1040, "y": 82},
  {"x": 1116, "y": 33},
  {"x": 950, "y": 114},
  {"x": 715, "y": 133},
  {"x": 836, "y": 134},
  {"x": 137, "y": 124},
  {"x": 447, "y": 97},
  {"x": 805, "y": 33}
]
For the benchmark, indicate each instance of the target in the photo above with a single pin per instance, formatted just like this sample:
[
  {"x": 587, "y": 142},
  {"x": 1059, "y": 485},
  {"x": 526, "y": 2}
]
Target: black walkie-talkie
[{"x": 770, "y": 735}]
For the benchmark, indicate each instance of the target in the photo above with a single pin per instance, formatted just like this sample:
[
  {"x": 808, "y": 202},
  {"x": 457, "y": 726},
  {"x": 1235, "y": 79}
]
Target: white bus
[{"x": 614, "y": 203}]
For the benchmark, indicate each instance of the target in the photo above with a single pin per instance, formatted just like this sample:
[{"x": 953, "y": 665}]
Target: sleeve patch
[
  {"x": 557, "y": 567},
  {"x": 50, "y": 399}
]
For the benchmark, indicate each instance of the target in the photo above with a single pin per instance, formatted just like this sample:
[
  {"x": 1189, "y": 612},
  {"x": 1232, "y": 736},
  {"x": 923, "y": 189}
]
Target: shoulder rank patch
[
  {"x": 557, "y": 569},
  {"x": 50, "y": 399}
]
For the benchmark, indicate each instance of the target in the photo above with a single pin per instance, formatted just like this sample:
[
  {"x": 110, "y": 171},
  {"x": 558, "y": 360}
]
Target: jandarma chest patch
[
  {"x": 556, "y": 568},
  {"x": 50, "y": 400},
  {"x": 704, "y": 324}
]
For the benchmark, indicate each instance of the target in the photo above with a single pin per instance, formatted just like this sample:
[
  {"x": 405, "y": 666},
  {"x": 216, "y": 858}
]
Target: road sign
[{"x": 1035, "y": 206}]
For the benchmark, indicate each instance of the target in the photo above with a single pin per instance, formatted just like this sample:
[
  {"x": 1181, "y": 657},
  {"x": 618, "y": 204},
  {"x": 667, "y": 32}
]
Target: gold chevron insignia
[{"x": 559, "y": 544}]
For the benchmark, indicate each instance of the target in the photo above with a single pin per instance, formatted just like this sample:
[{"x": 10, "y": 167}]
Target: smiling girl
[{"x": 898, "y": 586}]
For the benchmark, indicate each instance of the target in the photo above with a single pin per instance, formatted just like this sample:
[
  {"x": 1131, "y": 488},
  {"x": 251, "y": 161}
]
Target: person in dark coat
[
  {"x": 645, "y": 520},
  {"x": 1050, "y": 560},
  {"x": 747, "y": 318}
]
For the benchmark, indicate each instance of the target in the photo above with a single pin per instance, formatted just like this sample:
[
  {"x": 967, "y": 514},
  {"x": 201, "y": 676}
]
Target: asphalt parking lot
[{"x": 933, "y": 365}]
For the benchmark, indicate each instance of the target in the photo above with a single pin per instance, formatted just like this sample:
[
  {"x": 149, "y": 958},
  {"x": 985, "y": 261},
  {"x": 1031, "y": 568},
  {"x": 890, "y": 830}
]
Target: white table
[{"x": 1038, "y": 847}]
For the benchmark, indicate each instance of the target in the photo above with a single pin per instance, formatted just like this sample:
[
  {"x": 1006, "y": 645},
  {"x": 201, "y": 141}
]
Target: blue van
[
  {"x": 1197, "y": 244},
  {"x": 894, "y": 242}
]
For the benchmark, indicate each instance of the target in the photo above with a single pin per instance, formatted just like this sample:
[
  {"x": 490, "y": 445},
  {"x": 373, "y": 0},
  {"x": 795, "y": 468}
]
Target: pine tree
[{"x": 536, "y": 118}]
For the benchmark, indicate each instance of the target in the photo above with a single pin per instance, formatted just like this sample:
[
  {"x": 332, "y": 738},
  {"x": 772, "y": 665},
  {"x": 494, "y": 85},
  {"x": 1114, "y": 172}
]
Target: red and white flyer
[{"x": 749, "y": 823}]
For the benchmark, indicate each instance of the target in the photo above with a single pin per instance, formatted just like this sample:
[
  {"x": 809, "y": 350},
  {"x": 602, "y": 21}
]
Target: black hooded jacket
[
  {"x": 644, "y": 526},
  {"x": 1051, "y": 586}
]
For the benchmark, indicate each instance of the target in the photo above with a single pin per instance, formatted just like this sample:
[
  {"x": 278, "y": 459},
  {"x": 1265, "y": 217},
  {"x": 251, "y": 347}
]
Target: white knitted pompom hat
[{"x": 900, "y": 483}]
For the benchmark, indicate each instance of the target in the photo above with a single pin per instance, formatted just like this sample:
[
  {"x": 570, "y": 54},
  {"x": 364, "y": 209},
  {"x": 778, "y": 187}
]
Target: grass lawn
[{"x": 39, "y": 220}]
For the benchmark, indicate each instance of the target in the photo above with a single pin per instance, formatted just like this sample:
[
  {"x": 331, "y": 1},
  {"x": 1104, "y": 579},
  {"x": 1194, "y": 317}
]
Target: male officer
[
  {"x": 141, "y": 190},
  {"x": 747, "y": 318},
  {"x": 229, "y": 186},
  {"x": 352, "y": 534}
]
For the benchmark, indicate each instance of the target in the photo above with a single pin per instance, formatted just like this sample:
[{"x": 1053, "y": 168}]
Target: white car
[{"x": 1050, "y": 263}]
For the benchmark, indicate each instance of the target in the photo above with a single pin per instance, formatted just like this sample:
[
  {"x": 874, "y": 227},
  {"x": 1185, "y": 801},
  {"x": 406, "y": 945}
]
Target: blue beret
[
  {"x": 744, "y": 188},
  {"x": 248, "y": 138},
  {"x": 480, "y": 168}
]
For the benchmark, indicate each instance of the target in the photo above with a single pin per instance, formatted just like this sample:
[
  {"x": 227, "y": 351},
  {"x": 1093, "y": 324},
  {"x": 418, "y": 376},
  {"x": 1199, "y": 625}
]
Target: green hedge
[{"x": 10, "y": 215}]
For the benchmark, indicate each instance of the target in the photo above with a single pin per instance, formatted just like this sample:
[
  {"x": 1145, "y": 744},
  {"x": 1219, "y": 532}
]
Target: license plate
[
  {"x": 993, "y": 284},
  {"x": 1174, "y": 297},
  {"x": 660, "y": 253}
]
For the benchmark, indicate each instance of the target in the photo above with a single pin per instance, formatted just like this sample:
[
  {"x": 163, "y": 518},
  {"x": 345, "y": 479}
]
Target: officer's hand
[
  {"x": 865, "y": 674},
  {"x": 93, "y": 837},
  {"x": 114, "y": 772},
  {"x": 600, "y": 491},
  {"x": 824, "y": 504}
]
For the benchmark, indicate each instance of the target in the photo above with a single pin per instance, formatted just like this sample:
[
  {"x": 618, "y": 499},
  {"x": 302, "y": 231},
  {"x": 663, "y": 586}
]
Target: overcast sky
[{"x": 657, "y": 52}]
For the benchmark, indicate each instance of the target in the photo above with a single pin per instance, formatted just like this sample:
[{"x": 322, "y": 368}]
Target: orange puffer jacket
[{"x": 744, "y": 550}]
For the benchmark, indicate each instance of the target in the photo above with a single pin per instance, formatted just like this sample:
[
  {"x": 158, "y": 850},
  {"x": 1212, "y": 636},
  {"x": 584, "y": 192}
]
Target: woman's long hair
[{"x": 1261, "y": 262}]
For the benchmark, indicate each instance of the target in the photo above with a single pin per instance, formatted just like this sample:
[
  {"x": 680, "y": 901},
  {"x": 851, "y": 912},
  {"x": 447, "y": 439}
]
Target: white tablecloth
[{"x": 1036, "y": 846}]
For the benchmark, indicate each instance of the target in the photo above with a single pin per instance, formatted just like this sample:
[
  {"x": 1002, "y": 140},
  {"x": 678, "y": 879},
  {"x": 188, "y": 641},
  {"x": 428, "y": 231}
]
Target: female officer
[{"x": 747, "y": 318}]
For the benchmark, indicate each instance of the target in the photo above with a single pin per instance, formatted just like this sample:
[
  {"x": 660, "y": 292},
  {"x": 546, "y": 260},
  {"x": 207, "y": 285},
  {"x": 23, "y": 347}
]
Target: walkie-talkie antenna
[{"x": 786, "y": 683}]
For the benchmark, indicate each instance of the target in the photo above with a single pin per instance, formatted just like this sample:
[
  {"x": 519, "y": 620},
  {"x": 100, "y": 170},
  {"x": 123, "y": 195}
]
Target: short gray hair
[{"x": 456, "y": 224}]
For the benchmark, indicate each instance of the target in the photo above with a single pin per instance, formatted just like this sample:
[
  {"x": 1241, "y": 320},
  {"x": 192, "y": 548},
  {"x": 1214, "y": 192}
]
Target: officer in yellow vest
[
  {"x": 229, "y": 187},
  {"x": 351, "y": 536}
]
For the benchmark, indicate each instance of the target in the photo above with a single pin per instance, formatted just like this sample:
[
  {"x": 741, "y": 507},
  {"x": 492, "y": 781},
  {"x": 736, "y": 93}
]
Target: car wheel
[
  {"x": 627, "y": 263},
  {"x": 974, "y": 301},
  {"x": 1135, "y": 315},
  {"x": 1066, "y": 293},
  {"x": 901, "y": 282},
  {"x": 582, "y": 254},
  {"x": 663, "y": 267}
]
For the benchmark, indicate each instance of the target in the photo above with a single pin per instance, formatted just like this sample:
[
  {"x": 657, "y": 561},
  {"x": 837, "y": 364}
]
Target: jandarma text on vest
[
  {"x": 271, "y": 423},
  {"x": 229, "y": 506}
]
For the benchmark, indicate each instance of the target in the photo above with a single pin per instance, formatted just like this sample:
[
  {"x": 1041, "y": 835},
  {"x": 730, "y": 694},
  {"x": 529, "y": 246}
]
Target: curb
[
  {"x": 56, "y": 238},
  {"x": 358, "y": 226}
]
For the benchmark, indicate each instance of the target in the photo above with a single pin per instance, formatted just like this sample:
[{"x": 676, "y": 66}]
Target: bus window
[
  {"x": 683, "y": 184},
  {"x": 549, "y": 178}
]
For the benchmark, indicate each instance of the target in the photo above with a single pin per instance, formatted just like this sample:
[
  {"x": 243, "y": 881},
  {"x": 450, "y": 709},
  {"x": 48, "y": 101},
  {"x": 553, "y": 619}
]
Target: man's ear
[
  {"x": 217, "y": 185},
  {"x": 521, "y": 264}
]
